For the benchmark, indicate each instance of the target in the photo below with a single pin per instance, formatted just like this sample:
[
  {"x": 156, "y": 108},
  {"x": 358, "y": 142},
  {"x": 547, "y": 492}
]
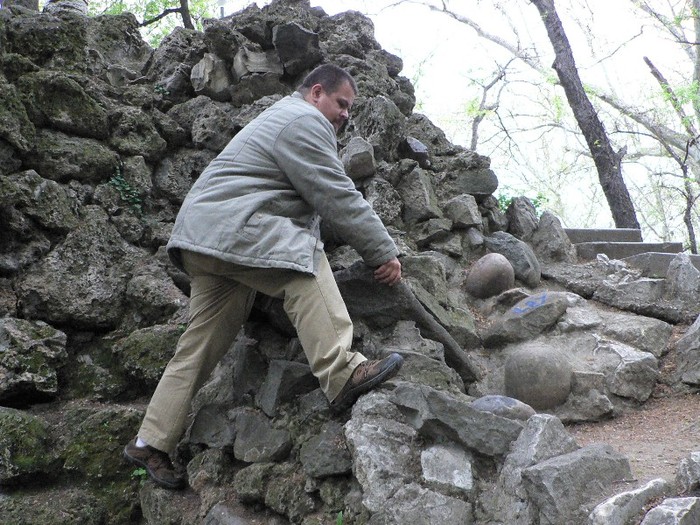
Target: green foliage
[
  {"x": 686, "y": 94},
  {"x": 146, "y": 10},
  {"x": 139, "y": 473},
  {"x": 559, "y": 108},
  {"x": 591, "y": 91},
  {"x": 552, "y": 78},
  {"x": 161, "y": 90},
  {"x": 127, "y": 193},
  {"x": 539, "y": 201},
  {"x": 473, "y": 109},
  {"x": 339, "y": 518}
]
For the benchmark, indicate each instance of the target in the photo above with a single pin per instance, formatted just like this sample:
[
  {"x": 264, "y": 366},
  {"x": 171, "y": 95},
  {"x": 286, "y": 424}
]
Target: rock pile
[{"x": 504, "y": 340}]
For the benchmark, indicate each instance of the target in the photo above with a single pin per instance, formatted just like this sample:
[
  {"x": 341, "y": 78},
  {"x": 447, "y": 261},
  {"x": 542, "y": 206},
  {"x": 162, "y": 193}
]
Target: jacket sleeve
[{"x": 306, "y": 152}]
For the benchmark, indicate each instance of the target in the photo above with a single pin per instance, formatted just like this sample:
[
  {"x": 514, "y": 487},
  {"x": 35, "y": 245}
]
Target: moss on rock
[
  {"x": 15, "y": 126},
  {"x": 59, "y": 100},
  {"x": 145, "y": 352},
  {"x": 49, "y": 41},
  {"x": 95, "y": 439},
  {"x": 24, "y": 446}
]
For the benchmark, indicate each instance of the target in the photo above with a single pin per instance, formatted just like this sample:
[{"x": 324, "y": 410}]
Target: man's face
[{"x": 334, "y": 106}]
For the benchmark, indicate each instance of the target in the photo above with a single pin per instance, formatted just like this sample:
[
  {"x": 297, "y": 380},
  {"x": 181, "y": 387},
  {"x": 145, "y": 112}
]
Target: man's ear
[{"x": 316, "y": 91}]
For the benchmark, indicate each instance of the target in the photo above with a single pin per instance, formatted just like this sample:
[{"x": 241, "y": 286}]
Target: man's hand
[{"x": 389, "y": 272}]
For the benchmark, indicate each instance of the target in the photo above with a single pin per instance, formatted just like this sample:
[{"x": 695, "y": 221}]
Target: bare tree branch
[
  {"x": 485, "y": 108},
  {"x": 184, "y": 11},
  {"x": 162, "y": 15}
]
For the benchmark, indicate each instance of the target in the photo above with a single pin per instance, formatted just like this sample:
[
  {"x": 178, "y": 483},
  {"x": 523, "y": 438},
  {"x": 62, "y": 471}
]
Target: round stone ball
[
  {"x": 539, "y": 376},
  {"x": 489, "y": 276}
]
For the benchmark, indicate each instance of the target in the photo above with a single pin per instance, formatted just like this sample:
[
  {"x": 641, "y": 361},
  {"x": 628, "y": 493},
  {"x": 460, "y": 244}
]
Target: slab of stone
[
  {"x": 620, "y": 250},
  {"x": 257, "y": 441},
  {"x": 440, "y": 415},
  {"x": 593, "y": 470},
  {"x": 448, "y": 468},
  {"x": 655, "y": 264},
  {"x": 674, "y": 511},
  {"x": 629, "y": 507},
  {"x": 578, "y": 235}
]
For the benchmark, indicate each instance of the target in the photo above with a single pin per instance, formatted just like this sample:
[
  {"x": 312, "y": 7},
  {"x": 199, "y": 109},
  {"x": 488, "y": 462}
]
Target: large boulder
[
  {"x": 30, "y": 355},
  {"x": 489, "y": 276}
]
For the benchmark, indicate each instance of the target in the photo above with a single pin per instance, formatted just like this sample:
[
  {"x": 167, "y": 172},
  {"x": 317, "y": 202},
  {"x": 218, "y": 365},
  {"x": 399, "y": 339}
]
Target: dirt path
[{"x": 654, "y": 437}]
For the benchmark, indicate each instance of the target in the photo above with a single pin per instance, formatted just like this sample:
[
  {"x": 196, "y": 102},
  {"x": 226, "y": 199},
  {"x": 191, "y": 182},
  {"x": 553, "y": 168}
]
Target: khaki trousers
[{"x": 221, "y": 299}]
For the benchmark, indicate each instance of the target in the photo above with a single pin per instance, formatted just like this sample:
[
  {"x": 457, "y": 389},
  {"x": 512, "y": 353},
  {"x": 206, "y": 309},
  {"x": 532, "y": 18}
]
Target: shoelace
[{"x": 364, "y": 370}]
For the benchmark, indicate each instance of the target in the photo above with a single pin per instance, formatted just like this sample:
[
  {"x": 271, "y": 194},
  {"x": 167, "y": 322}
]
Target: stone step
[
  {"x": 655, "y": 264},
  {"x": 578, "y": 235},
  {"x": 621, "y": 250}
]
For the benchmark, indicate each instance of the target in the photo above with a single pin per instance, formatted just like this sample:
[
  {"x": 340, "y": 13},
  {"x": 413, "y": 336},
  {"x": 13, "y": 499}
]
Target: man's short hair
[{"x": 330, "y": 76}]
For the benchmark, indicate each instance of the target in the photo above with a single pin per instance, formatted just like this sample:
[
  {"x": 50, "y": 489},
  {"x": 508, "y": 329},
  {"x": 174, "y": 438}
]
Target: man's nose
[{"x": 345, "y": 114}]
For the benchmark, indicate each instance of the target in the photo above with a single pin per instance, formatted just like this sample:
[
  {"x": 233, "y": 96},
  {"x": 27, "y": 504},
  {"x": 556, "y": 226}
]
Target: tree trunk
[
  {"x": 185, "y": 13},
  {"x": 607, "y": 161}
]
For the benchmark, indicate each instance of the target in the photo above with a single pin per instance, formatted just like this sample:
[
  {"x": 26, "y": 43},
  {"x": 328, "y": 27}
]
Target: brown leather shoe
[
  {"x": 365, "y": 377},
  {"x": 157, "y": 464}
]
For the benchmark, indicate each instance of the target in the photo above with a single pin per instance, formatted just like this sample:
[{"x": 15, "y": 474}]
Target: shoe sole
[
  {"x": 156, "y": 480},
  {"x": 395, "y": 363}
]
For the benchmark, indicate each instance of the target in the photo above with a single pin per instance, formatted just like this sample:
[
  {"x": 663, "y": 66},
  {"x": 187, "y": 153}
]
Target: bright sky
[
  {"x": 439, "y": 52},
  {"x": 444, "y": 57}
]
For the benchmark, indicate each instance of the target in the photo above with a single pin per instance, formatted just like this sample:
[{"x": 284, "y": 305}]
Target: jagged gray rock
[
  {"x": 688, "y": 473},
  {"x": 522, "y": 217},
  {"x": 591, "y": 469},
  {"x": 628, "y": 507},
  {"x": 210, "y": 77},
  {"x": 24, "y": 446},
  {"x": 326, "y": 454},
  {"x": 438, "y": 414},
  {"x": 525, "y": 264},
  {"x": 542, "y": 438},
  {"x": 284, "y": 379},
  {"x": 526, "y": 319},
  {"x": 448, "y": 467},
  {"x": 675, "y": 511},
  {"x": 358, "y": 159},
  {"x": 257, "y": 441},
  {"x": 504, "y": 406},
  {"x": 550, "y": 242}
]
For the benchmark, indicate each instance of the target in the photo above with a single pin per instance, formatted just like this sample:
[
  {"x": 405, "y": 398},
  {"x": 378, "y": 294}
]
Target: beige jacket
[{"x": 258, "y": 202}]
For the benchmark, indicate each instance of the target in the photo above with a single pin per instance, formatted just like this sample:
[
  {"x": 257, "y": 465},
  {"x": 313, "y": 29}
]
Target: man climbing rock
[{"x": 250, "y": 224}]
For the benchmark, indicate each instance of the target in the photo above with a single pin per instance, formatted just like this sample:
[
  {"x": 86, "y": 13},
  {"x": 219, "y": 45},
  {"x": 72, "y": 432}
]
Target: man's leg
[
  {"x": 222, "y": 295},
  {"x": 218, "y": 309},
  {"x": 325, "y": 330},
  {"x": 318, "y": 312}
]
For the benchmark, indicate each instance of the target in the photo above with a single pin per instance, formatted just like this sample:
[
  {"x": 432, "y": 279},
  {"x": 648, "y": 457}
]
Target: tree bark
[
  {"x": 608, "y": 162},
  {"x": 185, "y": 13}
]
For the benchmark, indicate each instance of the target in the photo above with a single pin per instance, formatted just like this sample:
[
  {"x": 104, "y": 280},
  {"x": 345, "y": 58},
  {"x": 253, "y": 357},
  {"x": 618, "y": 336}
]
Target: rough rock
[
  {"x": 539, "y": 377},
  {"x": 489, "y": 276},
  {"x": 30, "y": 354},
  {"x": 525, "y": 264},
  {"x": 591, "y": 469},
  {"x": 628, "y": 507},
  {"x": 680, "y": 511}
]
